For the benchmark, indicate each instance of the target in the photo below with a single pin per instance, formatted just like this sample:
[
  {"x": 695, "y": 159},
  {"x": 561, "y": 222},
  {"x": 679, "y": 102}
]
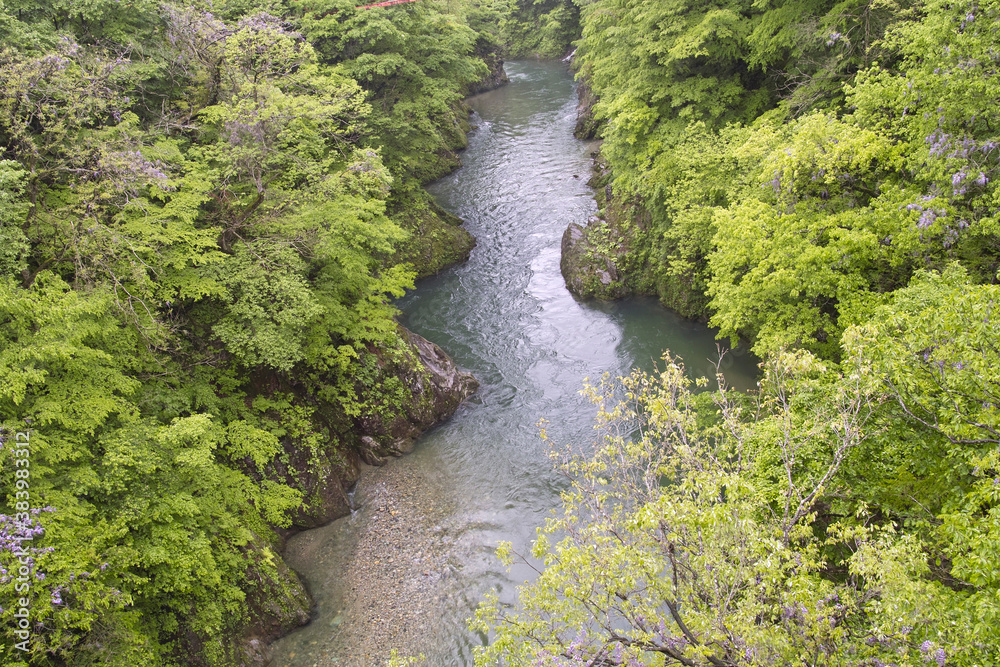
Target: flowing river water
[{"x": 408, "y": 567}]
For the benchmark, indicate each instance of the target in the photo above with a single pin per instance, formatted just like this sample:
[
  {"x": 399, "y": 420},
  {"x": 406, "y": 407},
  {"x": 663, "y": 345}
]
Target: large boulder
[
  {"x": 589, "y": 270},
  {"x": 429, "y": 387},
  {"x": 436, "y": 388}
]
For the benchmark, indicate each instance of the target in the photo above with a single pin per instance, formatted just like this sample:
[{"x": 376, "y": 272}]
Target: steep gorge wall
[
  {"x": 432, "y": 389},
  {"x": 610, "y": 257}
]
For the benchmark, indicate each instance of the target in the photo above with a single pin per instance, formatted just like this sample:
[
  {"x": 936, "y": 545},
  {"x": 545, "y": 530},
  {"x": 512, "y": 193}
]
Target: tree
[
  {"x": 849, "y": 208},
  {"x": 696, "y": 534},
  {"x": 13, "y": 243},
  {"x": 935, "y": 349},
  {"x": 138, "y": 525}
]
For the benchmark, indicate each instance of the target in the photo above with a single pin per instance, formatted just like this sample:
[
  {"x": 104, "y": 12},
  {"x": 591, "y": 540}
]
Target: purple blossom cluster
[
  {"x": 929, "y": 653},
  {"x": 68, "y": 46},
  {"x": 252, "y": 133},
  {"x": 938, "y": 363},
  {"x": 548, "y": 659},
  {"x": 833, "y": 604},
  {"x": 958, "y": 178},
  {"x": 960, "y": 181},
  {"x": 109, "y": 66},
  {"x": 795, "y": 613},
  {"x": 265, "y": 22},
  {"x": 194, "y": 32},
  {"x": 820, "y": 173},
  {"x": 17, "y": 554},
  {"x": 952, "y": 233},
  {"x": 675, "y": 643},
  {"x": 775, "y": 182},
  {"x": 945, "y": 144},
  {"x": 56, "y": 595},
  {"x": 53, "y": 63},
  {"x": 130, "y": 171},
  {"x": 16, "y": 538},
  {"x": 580, "y": 653},
  {"x": 928, "y": 215}
]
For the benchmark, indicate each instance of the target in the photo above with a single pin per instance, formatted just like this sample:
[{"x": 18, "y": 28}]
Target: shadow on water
[{"x": 484, "y": 476}]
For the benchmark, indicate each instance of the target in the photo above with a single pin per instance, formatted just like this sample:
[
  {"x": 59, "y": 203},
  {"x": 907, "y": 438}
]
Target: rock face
[
  {"x": 436, "y": 387},
  {"x": 586, "y": 124},
  {"x": 496, "y": 77},
  {"x": 588, "y": 271},
  {"x": 429, "y": 389},
  {"x": 437, "y": 240},
  {"x": 277, "y": 607},
  {"x": 432, "y": 389}
]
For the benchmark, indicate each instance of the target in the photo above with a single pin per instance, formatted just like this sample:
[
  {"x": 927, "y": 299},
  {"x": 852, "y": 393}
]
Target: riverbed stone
[
  {"x": 435, "y": 387},
  {"x": 392, "y": 576}
]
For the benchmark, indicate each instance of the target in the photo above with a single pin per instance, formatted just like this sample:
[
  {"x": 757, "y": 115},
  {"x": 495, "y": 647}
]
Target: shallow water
[{"x": 505, "y": 315}]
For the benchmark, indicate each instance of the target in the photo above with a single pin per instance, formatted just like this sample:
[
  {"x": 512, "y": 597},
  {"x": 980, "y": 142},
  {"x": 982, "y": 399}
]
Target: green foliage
[
  {"x": 13, "y": 244},
  {"x": 31, "y": 26},
  {"x": 395, "y": 660},
  {"x": 859, "y": 203},
  {"x": 935, "y": 348},
  {"x": 417, "y": 61},
  {"x": 686, "y": 190},
  {"x": 268, "y": 310},
  {"x": 197, "y": 236},
  {"x": 708, "y": 537},
  {"x": 783, "y": 266},
  {"x": 786, "y": 226},
  {"x": 669, "y": 78},
  {"x": 159, "y": 526},
  {"x": 843, "y": 514},
  {"x": 539, "y": 28}
]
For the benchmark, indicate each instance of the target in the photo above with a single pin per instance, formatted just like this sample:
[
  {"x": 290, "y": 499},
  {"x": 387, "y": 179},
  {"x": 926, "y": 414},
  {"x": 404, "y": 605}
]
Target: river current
[{"x": 484, "y": 475}]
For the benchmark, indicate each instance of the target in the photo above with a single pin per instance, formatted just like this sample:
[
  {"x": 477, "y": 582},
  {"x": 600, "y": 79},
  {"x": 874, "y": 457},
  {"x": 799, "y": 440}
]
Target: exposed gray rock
[
  {"x": 588, "y": 272},
  {"x": 496, "y": 76},
  {"x": 436, "y": 387}
]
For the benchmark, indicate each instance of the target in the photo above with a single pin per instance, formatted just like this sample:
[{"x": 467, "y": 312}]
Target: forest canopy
[{"x": 207, "y": 210}]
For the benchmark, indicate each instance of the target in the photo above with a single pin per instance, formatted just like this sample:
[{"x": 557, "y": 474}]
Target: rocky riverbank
[
  {"x": 431, "y": 388},
  {"x": 388, "y": 567}
]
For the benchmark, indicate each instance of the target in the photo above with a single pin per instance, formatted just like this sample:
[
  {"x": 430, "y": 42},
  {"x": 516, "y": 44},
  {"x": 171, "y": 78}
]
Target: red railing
[{"x": 384, "y": 4}]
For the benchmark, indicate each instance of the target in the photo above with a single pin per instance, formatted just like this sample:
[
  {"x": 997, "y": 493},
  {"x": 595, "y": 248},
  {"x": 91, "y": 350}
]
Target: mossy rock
[
  {"x": 437, "y": 240},
  {"x": 586, "y": 125},
  {"x": 588, "y": 272}
]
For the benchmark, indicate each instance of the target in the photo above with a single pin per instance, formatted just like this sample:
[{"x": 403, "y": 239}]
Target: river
[{"x": 408, "y": 567}]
